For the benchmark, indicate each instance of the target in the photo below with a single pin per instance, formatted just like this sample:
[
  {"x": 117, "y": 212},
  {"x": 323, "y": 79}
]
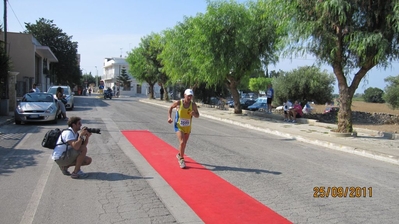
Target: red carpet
[{"x": 212, "y": 198}]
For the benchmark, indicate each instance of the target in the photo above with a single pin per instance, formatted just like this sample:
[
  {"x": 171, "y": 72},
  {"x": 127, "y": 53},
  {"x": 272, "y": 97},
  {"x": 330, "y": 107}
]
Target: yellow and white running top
[{"x": 183, "y": 118}]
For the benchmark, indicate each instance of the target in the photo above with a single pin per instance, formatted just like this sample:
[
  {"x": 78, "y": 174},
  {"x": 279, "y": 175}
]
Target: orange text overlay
[{"x": 342, "y": 192}]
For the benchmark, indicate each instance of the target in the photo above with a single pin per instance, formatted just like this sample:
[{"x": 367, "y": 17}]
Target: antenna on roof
[{"x": 121, "y": 52}]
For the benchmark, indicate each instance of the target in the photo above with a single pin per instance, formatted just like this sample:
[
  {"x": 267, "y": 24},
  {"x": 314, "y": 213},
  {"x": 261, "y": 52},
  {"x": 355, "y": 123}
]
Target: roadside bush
[
  {"x": 306, "y": 83},
  {"x": 373, "y": 95},
  {"x": 392, "y": 92}
]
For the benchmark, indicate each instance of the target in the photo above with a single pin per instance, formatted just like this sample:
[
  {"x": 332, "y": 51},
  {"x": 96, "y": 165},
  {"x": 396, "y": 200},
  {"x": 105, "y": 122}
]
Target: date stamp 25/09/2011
[{"x": 342, "y": 192}]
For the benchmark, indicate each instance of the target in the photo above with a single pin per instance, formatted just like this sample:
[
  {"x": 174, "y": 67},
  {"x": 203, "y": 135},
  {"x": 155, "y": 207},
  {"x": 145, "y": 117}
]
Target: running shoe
[{"x": 182, "y": 163}]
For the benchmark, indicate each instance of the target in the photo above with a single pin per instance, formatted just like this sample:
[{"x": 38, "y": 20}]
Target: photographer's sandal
[
  {"x": 64, "y": 170},
  {"x": 79, "y": 175}
]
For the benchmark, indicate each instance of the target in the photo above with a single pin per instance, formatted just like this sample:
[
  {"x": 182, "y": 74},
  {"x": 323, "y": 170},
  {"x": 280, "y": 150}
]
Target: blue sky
[{"x": 111, "y": 28}]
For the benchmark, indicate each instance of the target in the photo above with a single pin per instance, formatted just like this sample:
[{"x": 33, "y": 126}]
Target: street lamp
[
  {"x": 96, "y": 76},
  {"x": 85, "y": 81}
]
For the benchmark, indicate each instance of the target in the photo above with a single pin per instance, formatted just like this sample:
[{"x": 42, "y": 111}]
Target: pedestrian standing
[
  {"x": 186, "y": 109},
  {"x": 161, "y": 91},
  {"x": 35, "y": 89},
  {"x": 269, "y": 95}
]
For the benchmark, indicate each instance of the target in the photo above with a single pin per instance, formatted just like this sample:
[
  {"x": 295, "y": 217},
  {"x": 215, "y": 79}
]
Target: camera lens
[{"x": 94, "y": 130}]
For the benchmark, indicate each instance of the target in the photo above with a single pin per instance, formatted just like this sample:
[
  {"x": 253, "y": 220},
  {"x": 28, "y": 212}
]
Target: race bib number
[{"x": 184, "y": 122}]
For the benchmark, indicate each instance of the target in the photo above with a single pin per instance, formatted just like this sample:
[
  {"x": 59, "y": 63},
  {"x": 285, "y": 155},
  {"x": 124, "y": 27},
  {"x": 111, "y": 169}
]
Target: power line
[{"x": 15, "y": 14}]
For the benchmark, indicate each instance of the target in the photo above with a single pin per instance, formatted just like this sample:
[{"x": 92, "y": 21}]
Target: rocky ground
[
  {"x": 374, "y": 121},
  {"x": 391, "y": 128},
  {"x": 374, "y": 116}
]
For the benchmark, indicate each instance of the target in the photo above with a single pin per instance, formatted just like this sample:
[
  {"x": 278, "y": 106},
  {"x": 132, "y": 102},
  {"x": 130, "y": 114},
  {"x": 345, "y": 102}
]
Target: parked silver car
[
  {"x": 69, "y": 95},
  {"x": 36, "y": 107}
]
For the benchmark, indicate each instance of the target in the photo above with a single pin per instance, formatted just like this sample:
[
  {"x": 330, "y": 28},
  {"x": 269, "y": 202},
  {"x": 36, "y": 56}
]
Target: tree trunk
[
  {"x": 346, "y": 95},
  {"x": 151, "y": 95},
  {"x": 236, "y": 96},
  {"x": 345, "y": 110}
]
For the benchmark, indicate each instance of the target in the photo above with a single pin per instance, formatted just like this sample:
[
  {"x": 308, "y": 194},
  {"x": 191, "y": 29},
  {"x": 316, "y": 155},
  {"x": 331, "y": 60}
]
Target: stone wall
[{"x": 358, "y": 118}]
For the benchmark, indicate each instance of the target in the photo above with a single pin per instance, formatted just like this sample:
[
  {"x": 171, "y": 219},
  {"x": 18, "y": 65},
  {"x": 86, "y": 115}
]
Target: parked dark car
[
  {"x": 331, "y": 110},
  {"x": 258, "y": 105},
  {"x": 230, "y": 103},
  {"x": 245, "y": 103}
]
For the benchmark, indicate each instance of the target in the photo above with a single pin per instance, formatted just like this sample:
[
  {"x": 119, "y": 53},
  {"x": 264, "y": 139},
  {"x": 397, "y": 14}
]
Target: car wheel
[
  {"x": 55, "y": 121},
  {"x": 17, "y": 122}
]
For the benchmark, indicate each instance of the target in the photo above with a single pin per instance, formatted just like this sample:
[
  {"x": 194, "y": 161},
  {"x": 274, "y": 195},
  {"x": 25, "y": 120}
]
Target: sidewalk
[
  {"x": 7, "y": 119},
  {"x": 368, "y": 143}
]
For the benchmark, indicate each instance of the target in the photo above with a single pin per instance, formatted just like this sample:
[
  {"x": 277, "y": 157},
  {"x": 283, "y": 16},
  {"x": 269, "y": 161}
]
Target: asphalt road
[{"x": 284, "y": 175}]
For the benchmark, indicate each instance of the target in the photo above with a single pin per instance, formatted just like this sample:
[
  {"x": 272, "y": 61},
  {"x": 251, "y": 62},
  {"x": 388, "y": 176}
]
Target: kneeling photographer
[{"x": 71, "y": 148}]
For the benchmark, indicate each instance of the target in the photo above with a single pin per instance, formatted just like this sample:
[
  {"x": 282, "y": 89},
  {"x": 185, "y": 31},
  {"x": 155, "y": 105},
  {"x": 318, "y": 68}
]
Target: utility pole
[
  {"x": 5, "y": 26},
  {"x": 4, "y": 94},
  {"x": 96, "y": 77}
]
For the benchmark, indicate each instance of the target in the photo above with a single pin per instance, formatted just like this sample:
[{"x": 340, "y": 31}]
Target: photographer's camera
[{"x": 93, "y": 130}]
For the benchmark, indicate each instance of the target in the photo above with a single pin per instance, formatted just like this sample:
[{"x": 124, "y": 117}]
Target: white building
[{"x": 113, "y": 68}]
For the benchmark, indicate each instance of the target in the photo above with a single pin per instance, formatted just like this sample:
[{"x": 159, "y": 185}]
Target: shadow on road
[
  {"x": 112, "y": 176},
  {"x": 229, "y": 168},
  {"x": 17, "y": 159}
]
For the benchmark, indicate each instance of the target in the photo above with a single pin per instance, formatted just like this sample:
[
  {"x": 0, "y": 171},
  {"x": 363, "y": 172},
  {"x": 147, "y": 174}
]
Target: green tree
[
  {"x": 87, "y": 79},
  {"x": 177, "y": 57},
  {"x": 150, "y": 55},
  {"x": 141, "y": 66},
  {"x": 157, "y": 44},
  {"x": 351, "y": 36},
  {"x": 137, "y": 64},
  {"x": 275, "y": 74},
  {"x": 306, "y": 83},
  {"x": 392, "y": 91},
  {"x": 223, "y": 46},
  {"x": 125, "y": 79},
  {"x": 67, "y": 69},
  {"x": 373, "y": 95},
  {"x": 259, "y": 84}
]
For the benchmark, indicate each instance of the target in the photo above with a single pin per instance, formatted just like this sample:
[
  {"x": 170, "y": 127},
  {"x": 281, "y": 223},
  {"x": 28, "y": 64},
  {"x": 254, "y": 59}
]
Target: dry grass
[
  {"x": 364, "y": 107},
  {"x": 370, "y": 108}
]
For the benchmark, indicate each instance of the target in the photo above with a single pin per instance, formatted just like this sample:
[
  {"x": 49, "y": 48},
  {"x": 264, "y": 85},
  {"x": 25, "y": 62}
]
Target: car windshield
[
  {"x": 54, "y": 90},
  {"x": 37, "y": 97},
  {"x": 261, "y": 100},
  {"x": 244, "y": 100}
]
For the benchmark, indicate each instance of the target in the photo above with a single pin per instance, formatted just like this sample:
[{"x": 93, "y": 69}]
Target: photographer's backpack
[{"x": 51, "y": 137}]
